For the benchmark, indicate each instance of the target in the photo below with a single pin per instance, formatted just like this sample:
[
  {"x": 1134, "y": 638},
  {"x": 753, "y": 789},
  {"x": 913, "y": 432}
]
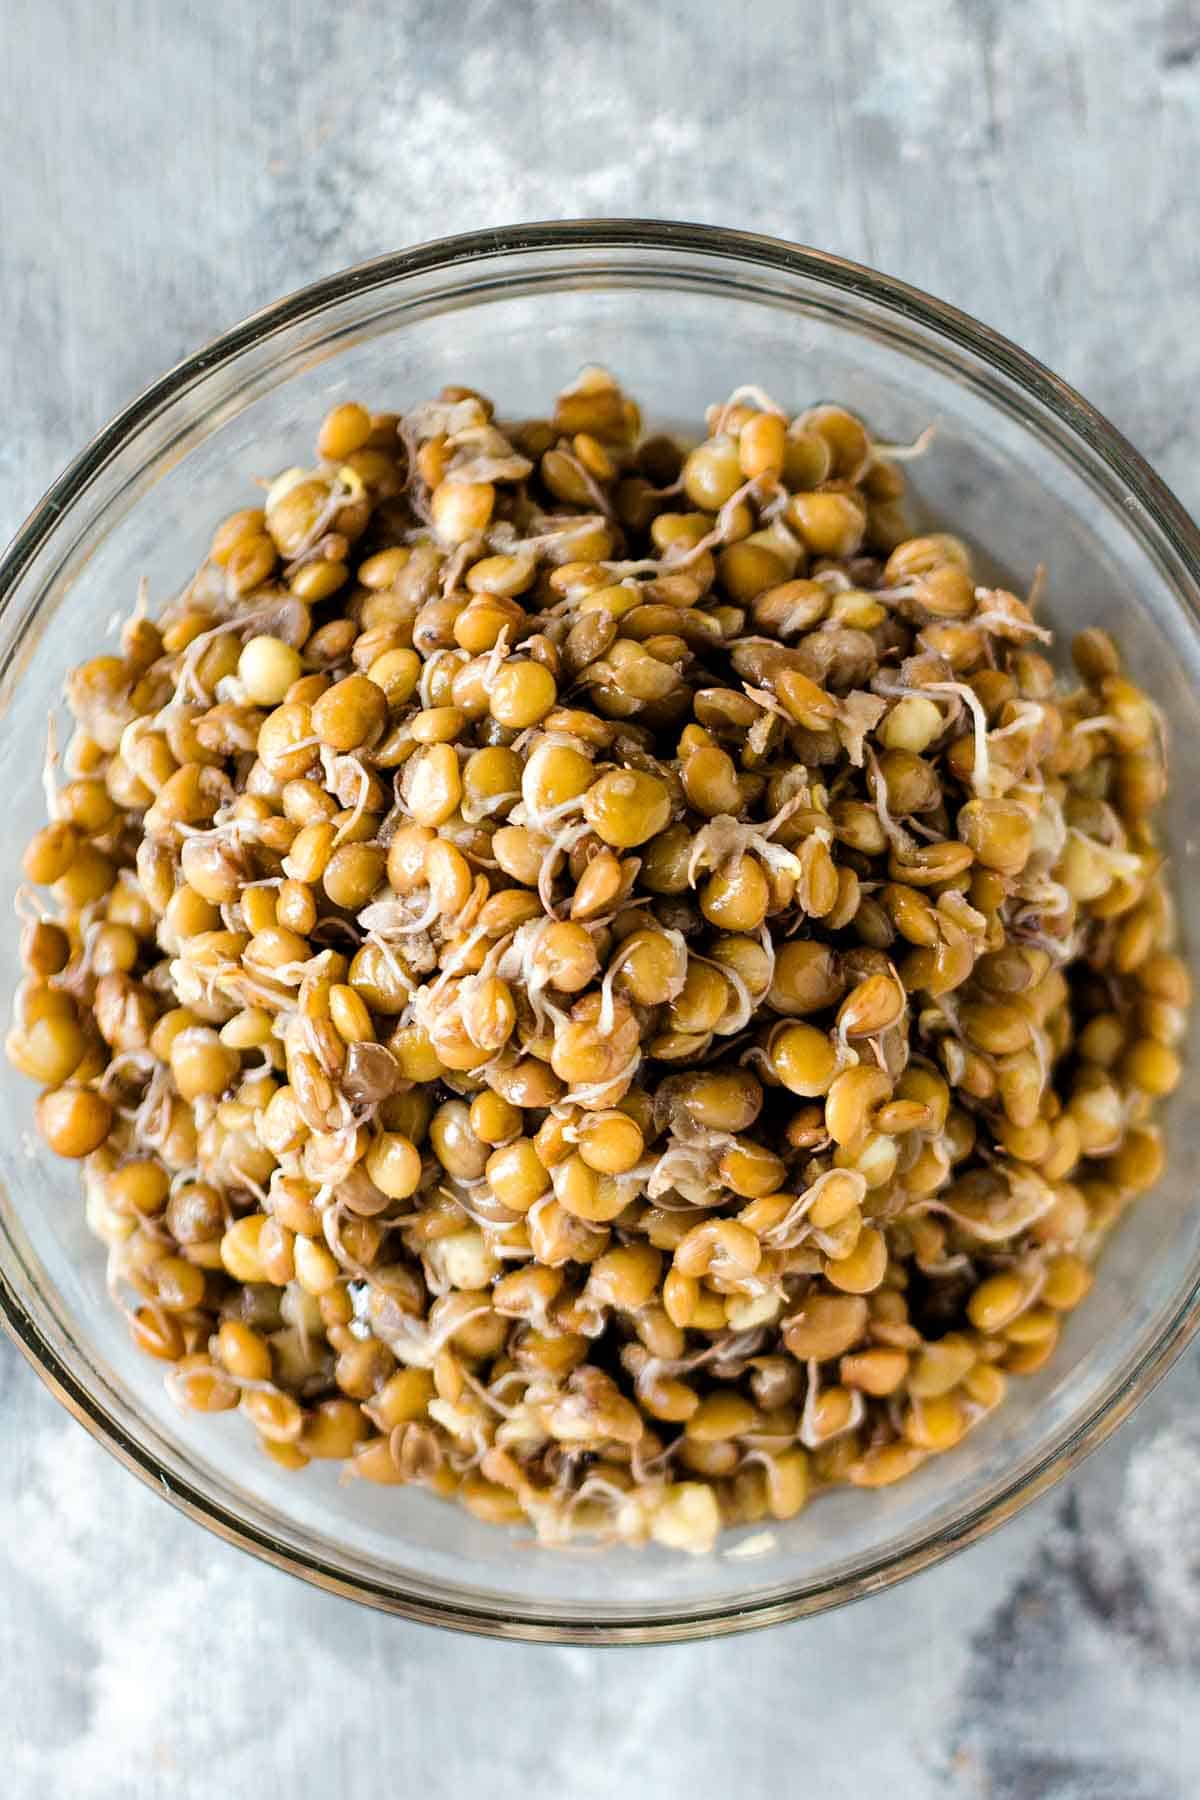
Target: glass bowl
[{"x": 1020, "y": 466}]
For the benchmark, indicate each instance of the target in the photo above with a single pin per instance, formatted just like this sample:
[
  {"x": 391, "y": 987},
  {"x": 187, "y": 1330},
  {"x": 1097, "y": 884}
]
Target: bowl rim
[{"x": 670, "y": 237}]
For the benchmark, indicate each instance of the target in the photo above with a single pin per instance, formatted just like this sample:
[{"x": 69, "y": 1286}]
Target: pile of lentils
[{"x": 604, "y": 979}]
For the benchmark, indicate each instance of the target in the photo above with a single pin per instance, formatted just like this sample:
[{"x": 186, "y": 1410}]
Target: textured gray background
[{"x": 165, "y": 169}]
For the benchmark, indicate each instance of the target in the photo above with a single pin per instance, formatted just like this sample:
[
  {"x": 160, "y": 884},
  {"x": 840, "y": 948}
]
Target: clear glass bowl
[{"x": 1021, "y": 466}]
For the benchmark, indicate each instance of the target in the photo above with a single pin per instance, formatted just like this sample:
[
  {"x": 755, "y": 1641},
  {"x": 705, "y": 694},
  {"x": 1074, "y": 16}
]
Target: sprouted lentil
[{"x": 607, "y": 980}]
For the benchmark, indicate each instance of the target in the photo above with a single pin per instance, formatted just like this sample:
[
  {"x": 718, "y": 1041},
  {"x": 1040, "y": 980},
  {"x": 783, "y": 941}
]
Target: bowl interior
[{"x": 681, "y": 328}]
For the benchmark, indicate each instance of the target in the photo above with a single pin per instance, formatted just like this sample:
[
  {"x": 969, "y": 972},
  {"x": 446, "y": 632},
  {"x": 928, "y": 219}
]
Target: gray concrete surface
[{"x": 166, "y": 167}]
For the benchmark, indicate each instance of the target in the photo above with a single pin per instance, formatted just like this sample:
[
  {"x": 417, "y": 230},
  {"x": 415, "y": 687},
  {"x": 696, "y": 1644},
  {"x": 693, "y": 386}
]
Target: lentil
[{"x": 412, "y": 980}]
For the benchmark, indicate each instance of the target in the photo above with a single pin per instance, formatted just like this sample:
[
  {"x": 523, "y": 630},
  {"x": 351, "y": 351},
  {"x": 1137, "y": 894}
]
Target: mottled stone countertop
[{"x": 168, "y": 167}]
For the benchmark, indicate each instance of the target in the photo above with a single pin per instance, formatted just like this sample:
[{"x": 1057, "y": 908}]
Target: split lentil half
[{"x": 608, "y": 980}]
